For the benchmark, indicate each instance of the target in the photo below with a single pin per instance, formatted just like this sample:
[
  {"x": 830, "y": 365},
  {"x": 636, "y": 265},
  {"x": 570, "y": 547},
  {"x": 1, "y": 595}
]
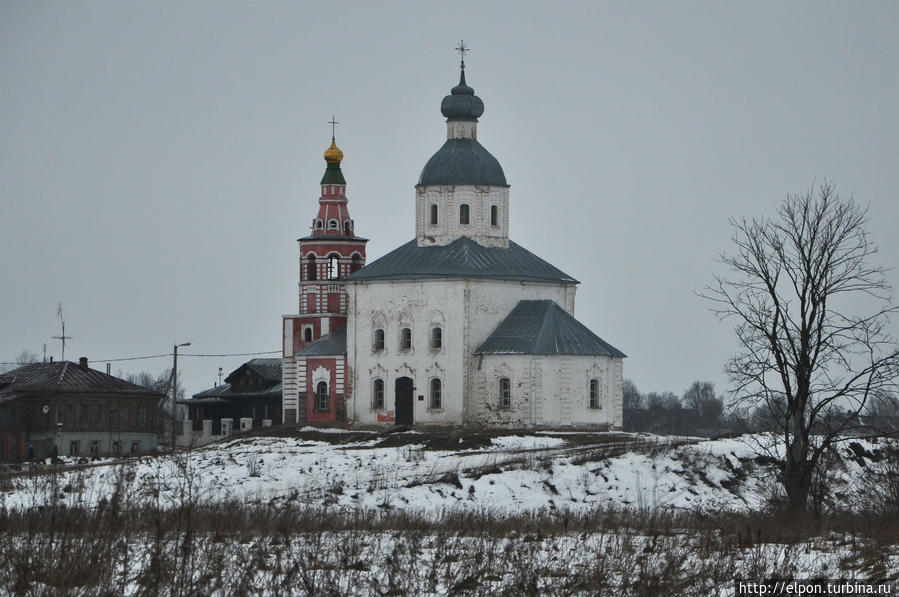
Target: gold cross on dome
[
  {"x": 462, "y": 49},
  {"x": 333, "y": 123}
]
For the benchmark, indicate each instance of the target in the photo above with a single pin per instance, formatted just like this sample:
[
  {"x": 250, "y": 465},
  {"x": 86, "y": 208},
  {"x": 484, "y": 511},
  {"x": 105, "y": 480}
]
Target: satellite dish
[{"x": 45, "y": 409}]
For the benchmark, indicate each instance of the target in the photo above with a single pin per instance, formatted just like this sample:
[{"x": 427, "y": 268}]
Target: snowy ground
[{"x": 507, "y": 473}]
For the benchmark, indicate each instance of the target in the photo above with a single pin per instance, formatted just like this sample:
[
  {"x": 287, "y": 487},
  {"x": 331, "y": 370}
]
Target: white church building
[{"x": 459, "y": 326}]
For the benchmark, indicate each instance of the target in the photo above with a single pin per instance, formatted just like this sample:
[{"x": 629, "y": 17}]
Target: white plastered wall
[{"x": 448, "y": 199}]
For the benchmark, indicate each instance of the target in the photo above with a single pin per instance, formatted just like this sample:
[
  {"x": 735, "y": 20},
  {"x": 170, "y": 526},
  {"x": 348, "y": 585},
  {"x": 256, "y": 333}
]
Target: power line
[
  {"x": 168, "y": 354},
  {"x": 236, "y": 354}
]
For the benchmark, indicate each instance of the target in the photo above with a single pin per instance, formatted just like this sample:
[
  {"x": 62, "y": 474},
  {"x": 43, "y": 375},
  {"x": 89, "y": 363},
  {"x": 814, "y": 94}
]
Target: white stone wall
[
  {"x": 548, "y": 391},
  {"x": 448, "y": 199},
  {"x": 467, "y": 310}
]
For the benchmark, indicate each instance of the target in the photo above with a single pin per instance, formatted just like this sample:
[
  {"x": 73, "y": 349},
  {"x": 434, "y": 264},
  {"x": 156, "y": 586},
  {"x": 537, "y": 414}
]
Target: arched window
[
  {"x": 333, "y": 268},
  {"x": 494, "y": 215},
  {"x": 463, "y": 214},
  {"x": 434, "y": 214},
  {"x": 435, "y": 394},
  {"x": 505, "y": 392},
  {"x": 332, "y": 225},
  {"x": 321, "y": 396},
  {"x": 377, "y": 393},
  {"x": 319, "y": 224},
  {"x": 436, "y": 338},
  {"x": 347, "y": 230},
  {"x": 378, "y": 341},
  {"x": 406, "y": 339},
  {"x": 307, "y": 334},
  {"x": 594, "y": 394},
  {"x": 311, "y": 273},
  {"x": 356, "y": 264}
]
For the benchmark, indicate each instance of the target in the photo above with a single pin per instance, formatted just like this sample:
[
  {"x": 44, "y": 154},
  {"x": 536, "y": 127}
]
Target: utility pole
[{"x": 175, "y": 389}]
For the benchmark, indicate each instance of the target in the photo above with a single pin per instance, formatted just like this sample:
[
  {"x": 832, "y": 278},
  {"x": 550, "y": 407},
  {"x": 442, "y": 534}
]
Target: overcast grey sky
[{"x": 158, "y": 160}]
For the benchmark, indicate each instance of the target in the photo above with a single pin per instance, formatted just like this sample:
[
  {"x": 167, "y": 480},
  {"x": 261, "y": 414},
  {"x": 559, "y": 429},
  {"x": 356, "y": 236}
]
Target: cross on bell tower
[{"x": 461, "y": 48}]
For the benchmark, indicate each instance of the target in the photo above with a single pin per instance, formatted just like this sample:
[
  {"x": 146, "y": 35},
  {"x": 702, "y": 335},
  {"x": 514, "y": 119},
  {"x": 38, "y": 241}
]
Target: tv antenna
[{"x": 63, "y": 337}]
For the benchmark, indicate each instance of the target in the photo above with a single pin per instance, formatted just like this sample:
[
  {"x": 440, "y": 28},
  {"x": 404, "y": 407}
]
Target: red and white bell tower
[{"x": 330, "y": 253}]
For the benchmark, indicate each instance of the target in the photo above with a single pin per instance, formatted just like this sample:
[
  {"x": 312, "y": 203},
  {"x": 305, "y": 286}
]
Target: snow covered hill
[{"x": 430, "y": 473}]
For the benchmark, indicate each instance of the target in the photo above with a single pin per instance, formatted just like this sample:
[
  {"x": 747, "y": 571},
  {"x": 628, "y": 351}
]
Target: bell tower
[{"x": 328, "y": 254}]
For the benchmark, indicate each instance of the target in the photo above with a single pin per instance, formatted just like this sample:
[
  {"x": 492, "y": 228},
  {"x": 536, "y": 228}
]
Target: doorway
[{"x": 403, "y": 395}]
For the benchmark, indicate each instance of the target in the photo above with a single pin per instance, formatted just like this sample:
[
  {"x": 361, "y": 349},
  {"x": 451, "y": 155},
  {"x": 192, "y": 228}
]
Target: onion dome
[
  {"x": 333, "y": 174},
  {"x": 462, "y": 103}
]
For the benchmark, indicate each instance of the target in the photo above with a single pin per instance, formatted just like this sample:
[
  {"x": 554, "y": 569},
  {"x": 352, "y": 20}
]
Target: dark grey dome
[
  {"x": 462, "y": 162},
  {"x": 462, "y": 103}
]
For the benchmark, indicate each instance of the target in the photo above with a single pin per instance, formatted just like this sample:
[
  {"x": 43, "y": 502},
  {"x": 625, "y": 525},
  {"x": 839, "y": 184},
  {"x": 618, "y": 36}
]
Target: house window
[
  {"x": 406, "y": 339},
  {"x": 435, "y": 394},
  {"x": 98, "y": 414},
  {"x": 321, "y": 396},
  {"x": 135, "y": 447},
  {"x": 463, "y": 214},
  {"x": 505, "y": 392},
  {"x": 378, "y": 343},
  {"x": 95, "y": 448},
  {"x": 594, "y": 394},
  {"x": 377, "y": 394},
  {"x": 116, "y": 448},
  {"x": 74, "y": 447},
  {"x": 436, "y": 338},
  {"x": 494, "y": 215},
  {"x": 85, "y": 414},
  {"x": 333, "y": 268},
  {"x": 123, "y": 415},
  {"x": 142, "y": 416},
  {"x": 311, "y": 273},
  {"x": 433, "y": 215}
]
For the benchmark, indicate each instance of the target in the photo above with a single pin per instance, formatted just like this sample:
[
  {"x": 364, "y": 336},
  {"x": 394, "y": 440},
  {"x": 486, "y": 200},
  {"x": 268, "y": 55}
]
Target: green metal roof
[
  {"x": 462, "y": 258},
  {"x": 543, "y": 327},
  {"x": 330, "y": 345},
  {"x": 333, "y": 174},
  {"x": 462, "y": 162}
]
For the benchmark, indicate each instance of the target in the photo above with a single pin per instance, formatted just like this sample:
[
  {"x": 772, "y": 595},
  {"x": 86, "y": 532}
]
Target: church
[{"x": 459, "y": 326}]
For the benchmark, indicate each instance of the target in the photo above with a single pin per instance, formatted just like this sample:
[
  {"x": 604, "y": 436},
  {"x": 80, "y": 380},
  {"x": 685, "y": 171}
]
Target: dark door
[{"x": 404, "y": 401}]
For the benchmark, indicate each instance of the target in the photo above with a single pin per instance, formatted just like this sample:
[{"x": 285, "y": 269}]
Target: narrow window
[
  {"x": 377, "y": 394},
  {"x": 310, "y": 268},
  {"x": 116, "y": 448},
  {"x": 95, "y": 449},
  {"x": 333, "y": 268},
  {"x": 321, "y": 396},
  {"x": 123, "y": 415},
  {"x": 505, "y": 392},
  {"x": 346, "y": 228},
  {"x": 434, "y": 214},
  {"x": 378, "y": 343},
  {"x": 135, "y": 447},
  {"x": 13, "y": 416},
  {"x": 332, "y": 224},
  {"x": 74, "y": 447},
  {"x": 142, "y": 416},
  {"x": 406, "y": 339},
  {"x": 435, "y": 394},
  {"x": 463, "y": 214},
  {"x": 307, "y": 335},
  {"x": 356, "y": 264},
  {"x": 594, "y": 394},
  {"x": 85, "y": 414},
  {"x": 436, "y": 338},
  {"x": 494, "y": 216},
  {"x": 318, "y": 224}
]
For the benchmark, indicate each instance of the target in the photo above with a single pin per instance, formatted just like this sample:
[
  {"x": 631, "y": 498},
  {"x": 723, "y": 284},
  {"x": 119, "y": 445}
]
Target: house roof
[
  {"x": 543, "y": 327},
  {"x": 225, "y": 392},
  {"x": 329, "y": 345},
  {"x": 64, "y": 377},
  {"x": 462, "y": 258},
  {"x": 267, "y": 369}
]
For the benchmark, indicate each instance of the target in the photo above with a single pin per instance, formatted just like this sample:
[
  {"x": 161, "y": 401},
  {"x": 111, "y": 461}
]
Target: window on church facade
[
  {"x": 321, "y": 396},
  {"x": 505, "y": 392},
  {"x": 333, "y": 267},
  {"x": 494, "y": 215},
  {"x": 356, "y": 264},
  {"x": 346, "y": 228},
  {"x": 378, "y": 343},
  {"x": 307, "y": 334},
  {"x": 332, "y": 224},
  {"x": 377, "y": 394},
  {"x": 463, "y": 214},
  {"x": 310, "y": 268},
  {"x": 436, "y": 338},
  {"x": 594, "y": 394},
  {"x": 406, "y": 339},
  {"x": 319, "y": 224},
  {"x": 433, "y": 215},
  {"x": 436, "y": 400}
]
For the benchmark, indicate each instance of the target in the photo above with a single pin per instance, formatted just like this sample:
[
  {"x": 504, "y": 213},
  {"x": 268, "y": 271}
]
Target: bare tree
[
  {"x": 701, "y": 397},
  {"x": 797, "y": 281},
  {"x": 26, "y": 357}
]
